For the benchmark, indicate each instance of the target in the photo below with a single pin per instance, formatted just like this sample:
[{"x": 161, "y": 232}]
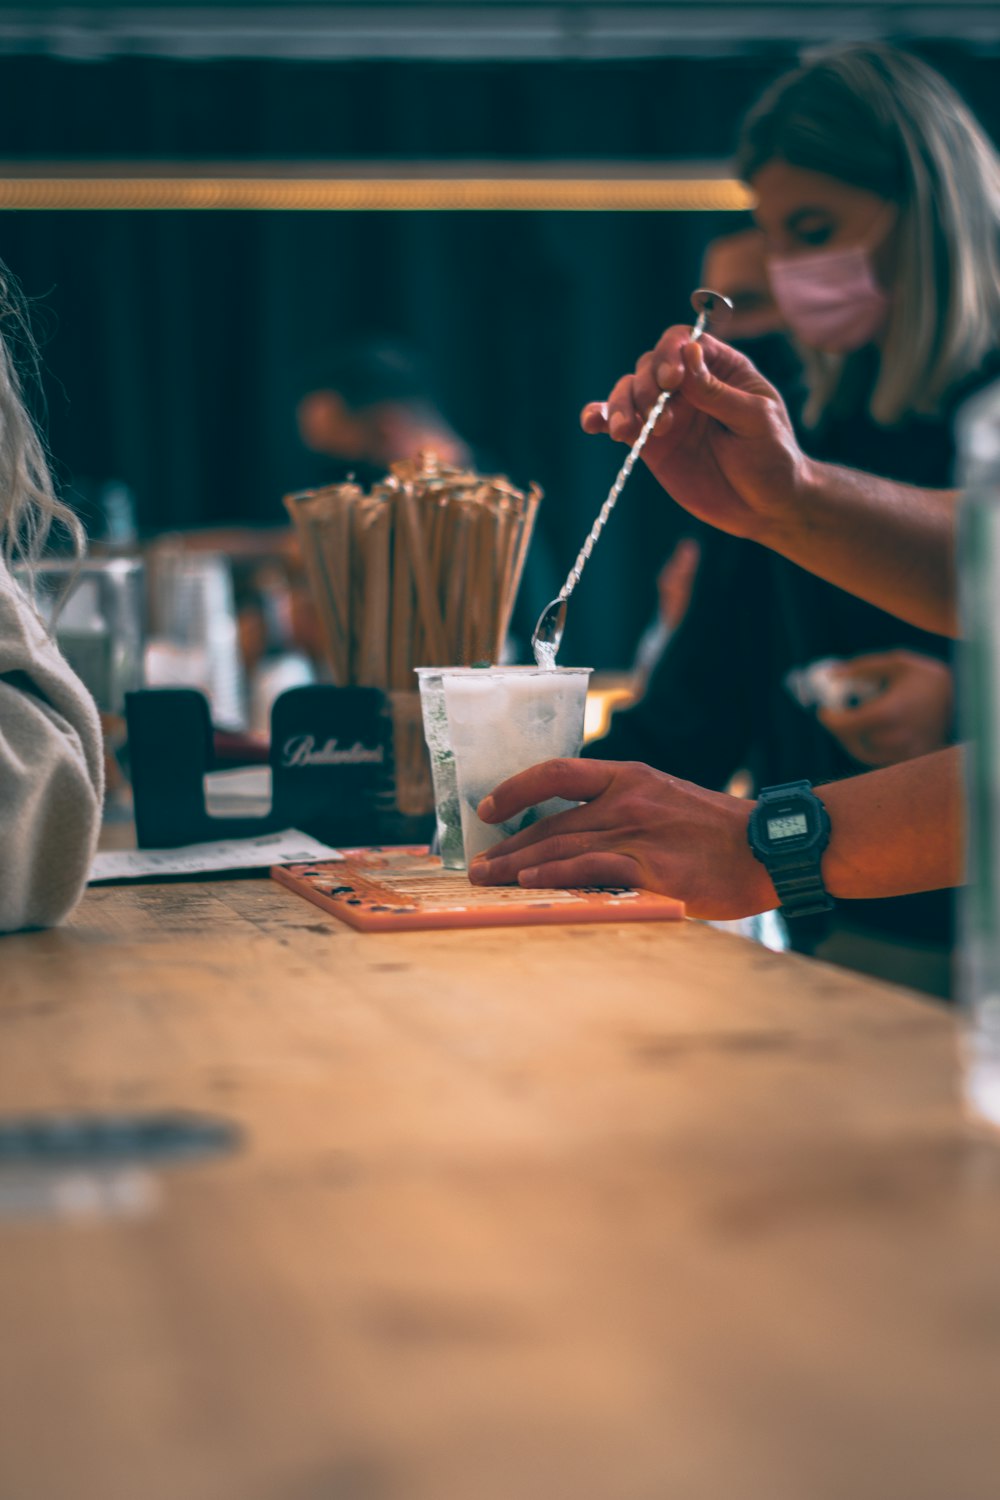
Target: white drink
[{"x": 502, "y": 720}]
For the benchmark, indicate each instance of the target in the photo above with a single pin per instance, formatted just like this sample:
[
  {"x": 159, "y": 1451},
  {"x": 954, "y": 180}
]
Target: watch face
[
  {"x": 790, "y": 823},
  {"x": 786, "y": 825}
]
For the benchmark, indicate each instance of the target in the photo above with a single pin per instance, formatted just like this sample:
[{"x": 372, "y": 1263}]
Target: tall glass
[
  {"x": 502, "y": 720},
  {"x": 443, "y": 773},
  {"x": 97, "y": 606},
  {"x": 979, "y": 578}
]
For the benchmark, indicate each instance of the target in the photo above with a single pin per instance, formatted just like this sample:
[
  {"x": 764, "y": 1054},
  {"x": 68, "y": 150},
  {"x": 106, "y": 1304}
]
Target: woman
[
  {"x": 879, "y": 199},
  {"x": 51, "y": 766}
]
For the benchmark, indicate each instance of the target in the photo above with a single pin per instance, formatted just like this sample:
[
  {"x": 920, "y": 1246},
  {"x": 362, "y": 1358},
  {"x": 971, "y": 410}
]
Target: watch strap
[{"x": 800, "y": 888}]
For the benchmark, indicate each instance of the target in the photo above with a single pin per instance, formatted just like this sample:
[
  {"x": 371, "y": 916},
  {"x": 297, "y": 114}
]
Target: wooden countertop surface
[{"x": 638, "y": 1213}]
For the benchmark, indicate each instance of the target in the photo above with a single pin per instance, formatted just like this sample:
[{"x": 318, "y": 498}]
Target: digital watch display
[{"x": 788, "y": 832}]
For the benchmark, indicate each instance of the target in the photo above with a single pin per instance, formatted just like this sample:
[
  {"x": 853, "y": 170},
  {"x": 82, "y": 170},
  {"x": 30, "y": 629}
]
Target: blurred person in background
[
  {"x": 364, "y": 406},
  {"x": 369, "y": 403},
  {"x": 878, "y": 198},
  {"x": 51, "y": 752}
]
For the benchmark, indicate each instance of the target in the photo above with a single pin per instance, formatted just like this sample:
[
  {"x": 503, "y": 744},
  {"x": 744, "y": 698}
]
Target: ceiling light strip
[{"x": 359, "y": 195}]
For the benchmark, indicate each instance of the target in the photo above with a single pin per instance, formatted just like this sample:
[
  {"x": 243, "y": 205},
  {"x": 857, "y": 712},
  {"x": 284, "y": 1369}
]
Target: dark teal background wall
[{"x": 171, "y": 341}]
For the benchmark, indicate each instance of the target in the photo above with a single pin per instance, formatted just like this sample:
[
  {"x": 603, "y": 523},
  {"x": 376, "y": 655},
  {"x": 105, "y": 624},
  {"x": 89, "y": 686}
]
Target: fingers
[
  {"x": 723, "y": 362},
  {"x": 717, "y": 379},
  {"x": 646, "y": 390},
  {"x": 625, "y": 419},
  {"x": 839, "y": 721},
  {"x": 878, "y": 714},
  {"x": 549, "y": 865},
  {"x": 586, "y": 869},
  {"x": 668, "y": 362},
  {"x": 594, "y": 417},
  {"x": 574, "y": 780},
  {"x": 634, "y": 396},
  {"x": 737, "y": 409},
  {"x": 878, "y": 733},
  {"x": 581, "y": 822},
  {"x": 501, "y": 864}
]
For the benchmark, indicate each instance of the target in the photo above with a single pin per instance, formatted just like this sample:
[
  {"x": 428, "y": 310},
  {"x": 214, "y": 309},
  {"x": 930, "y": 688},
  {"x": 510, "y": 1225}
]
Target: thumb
[
  {"x": 594, "y": 417},
  {"x": 739, "y": 410}
]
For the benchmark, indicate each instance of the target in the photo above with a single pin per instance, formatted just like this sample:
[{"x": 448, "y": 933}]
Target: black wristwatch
[{"x": 788, "y": 831}]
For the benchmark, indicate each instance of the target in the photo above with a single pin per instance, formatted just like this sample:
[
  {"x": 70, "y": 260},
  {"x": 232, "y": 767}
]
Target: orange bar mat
[{"x": 408, "y": 890}]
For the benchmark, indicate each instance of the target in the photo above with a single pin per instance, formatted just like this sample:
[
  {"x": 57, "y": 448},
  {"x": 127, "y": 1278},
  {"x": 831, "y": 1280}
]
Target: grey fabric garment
[{"x": 51, "y": 771}]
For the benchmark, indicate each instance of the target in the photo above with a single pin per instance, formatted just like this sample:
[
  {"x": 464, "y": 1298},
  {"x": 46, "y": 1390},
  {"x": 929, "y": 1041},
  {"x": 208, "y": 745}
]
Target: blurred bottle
[
  {"x": 95, "y": 608},
  {"x": 194, "y": 638},
  {"x": 276, "y": 665},
  {"x": 979, "y": 681},
  {"x": 118, "y": 507},
  {"x": 108, "y": 511}
]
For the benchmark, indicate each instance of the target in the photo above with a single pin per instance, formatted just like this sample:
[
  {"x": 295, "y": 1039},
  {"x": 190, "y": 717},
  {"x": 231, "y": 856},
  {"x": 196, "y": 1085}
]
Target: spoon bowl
[
  {"x": 548, "y": 633},
  {"x": 713, "y": 307}
]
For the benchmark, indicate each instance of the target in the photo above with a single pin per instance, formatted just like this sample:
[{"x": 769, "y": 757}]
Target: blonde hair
[
  {"x": 886, "y": 122},
  {"x": 29, "y": 506}
]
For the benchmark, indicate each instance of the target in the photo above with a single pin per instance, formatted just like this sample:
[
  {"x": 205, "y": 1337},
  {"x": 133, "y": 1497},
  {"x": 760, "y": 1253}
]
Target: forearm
[
  {"x": 891, "y": 544},
  {"x": 897, "y": 830}
]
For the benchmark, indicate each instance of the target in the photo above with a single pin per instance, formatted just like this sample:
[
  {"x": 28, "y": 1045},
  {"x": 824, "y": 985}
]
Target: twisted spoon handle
[{"x": 583, "y": 556}]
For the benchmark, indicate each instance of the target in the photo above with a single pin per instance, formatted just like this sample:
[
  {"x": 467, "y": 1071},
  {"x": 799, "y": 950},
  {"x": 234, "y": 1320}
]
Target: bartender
[{"x": 870, "y": 177}]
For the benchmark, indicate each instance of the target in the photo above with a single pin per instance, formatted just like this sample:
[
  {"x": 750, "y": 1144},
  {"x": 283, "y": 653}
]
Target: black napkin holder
[{"x": 331, "y": 761}]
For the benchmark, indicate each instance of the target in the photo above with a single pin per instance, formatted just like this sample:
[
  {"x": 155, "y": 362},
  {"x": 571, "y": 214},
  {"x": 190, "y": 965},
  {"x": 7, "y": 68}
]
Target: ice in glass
[{"x": 501, "y": 720}]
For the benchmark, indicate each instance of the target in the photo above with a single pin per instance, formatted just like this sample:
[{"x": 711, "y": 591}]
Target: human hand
[
  {"x": 911, "y": 714},
  {"x": 724, "y": 447},
  {"x": 635, "y": 827}
]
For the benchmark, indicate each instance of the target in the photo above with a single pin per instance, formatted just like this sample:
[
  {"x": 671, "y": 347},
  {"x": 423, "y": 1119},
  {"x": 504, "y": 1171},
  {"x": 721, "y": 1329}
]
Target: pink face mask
[{"x": 830, "y": 299}]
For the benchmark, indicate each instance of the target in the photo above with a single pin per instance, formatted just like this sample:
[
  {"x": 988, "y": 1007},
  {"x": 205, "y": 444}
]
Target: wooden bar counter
[{"x": 621, "y": 1213}]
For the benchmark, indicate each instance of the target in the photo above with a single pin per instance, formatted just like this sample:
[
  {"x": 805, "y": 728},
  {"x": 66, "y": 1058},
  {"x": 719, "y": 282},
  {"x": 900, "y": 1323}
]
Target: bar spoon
[{"x": 711, "y": 307}]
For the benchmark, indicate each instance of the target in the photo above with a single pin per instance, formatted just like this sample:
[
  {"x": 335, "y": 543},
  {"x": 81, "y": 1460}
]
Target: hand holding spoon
[{"x": 548, "y": 633}]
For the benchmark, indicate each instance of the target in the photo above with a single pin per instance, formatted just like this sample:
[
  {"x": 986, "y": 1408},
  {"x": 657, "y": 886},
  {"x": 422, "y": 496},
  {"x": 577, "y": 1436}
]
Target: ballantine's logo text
[{"x": 301, "y": 751}]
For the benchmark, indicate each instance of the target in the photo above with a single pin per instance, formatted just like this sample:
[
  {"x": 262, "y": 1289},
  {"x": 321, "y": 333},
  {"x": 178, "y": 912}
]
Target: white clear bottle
[{"x": 979, "y": 695}]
